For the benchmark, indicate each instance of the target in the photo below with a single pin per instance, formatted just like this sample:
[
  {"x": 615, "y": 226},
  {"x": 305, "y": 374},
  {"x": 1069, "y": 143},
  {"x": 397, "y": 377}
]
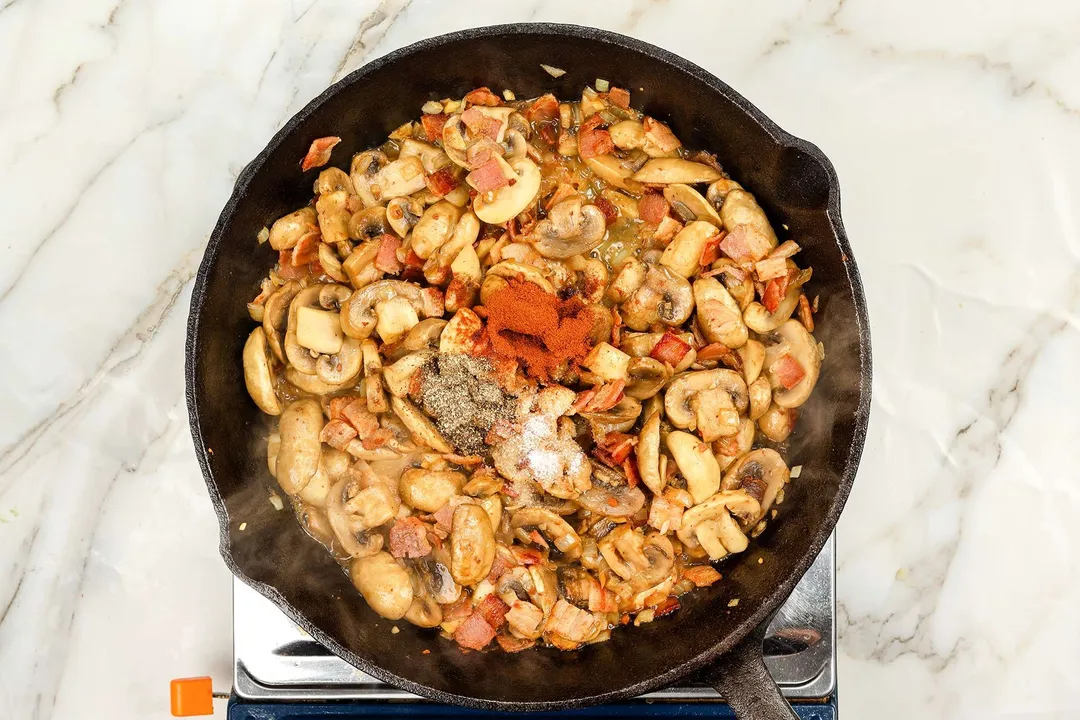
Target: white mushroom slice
[
  {"x": 424, "y": 335},
  {"x": 689, "y": 205},
  {"x": 696, "y": 463},
  {"x": 429, "y": 490},
  {"x": 423, "y": 430},
  {"x": 761, "y": 321},
  {"x": 627, "y": 135},
  {"x": 722, "y": 503},
  {"x": 752, "y": 357},
  {"x": 399, "y": 375},
  {"x": 331, "y": 265},
  {"x": 761, "y": 474},
  {"x": 721, "y": 537},
  {"x": 432, "y": 156},
  {"x": 606, "y": 362},
  {"x": 369, "y": 224},
  {"x": 727, "y": 399},
  {"x": 396, "y": 317},
  {"x": 358, "y": 317},
  {"x": 276, "y": 316},
  {"x": 472, "y": 544},
  {"x": 453, "y": 139},
  {"x": 301, "y": 450},
  {"x": 373, "y": 387},
  {"x": 403, "y": 176},
  {"x": 258, "y": 375},
  {"x": 645, "y": 377},
  {"x": 719, "y": 190},
  {"x": 511, "y": 269},
  {"x": 334, "y": 215},
  {"x": 434, "y": 228},
  {"x": 664, "y": 297},
  {"x": 466, "y": 265},
  {"x": 740, "y": 208},
  {"x": 777, "y": 423},
  {"x": 384, "y": 584},
  {"x": 498, "y": 206},
  {"x": 299, "y": 356},
  {"x": 462, "y": 333},
  {"x": 665, "y": 171},
  {"x": 630, "y": 276},
  {"x": 683, "y": 254},
  {"x": 760, "y": 397},
  {"x": 312, "y": 383},
  {"x": 730, "y": 449},
  {"x": 569, "y": 229},
  {"x": 646, "y": 561},
  {"x": 273, "y": 444},
  {"x": 792, "y": 364},
  {"x": 318, "y": 330},
  {"x": 363, "y": 170},
  {"x": 289, "y": 229},
  {"x": 403, "y": 213},
  {"x": 556, "y": 531},
  {"x": 718, "y": 315},
  {"x": 648, "y": 454},
  {"x": 342, "y": 367},
  {"x": 611, "y": 170}
]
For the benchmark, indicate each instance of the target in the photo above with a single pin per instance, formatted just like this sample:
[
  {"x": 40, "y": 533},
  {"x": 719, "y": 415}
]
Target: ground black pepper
[{"x": 459, "y": 392}]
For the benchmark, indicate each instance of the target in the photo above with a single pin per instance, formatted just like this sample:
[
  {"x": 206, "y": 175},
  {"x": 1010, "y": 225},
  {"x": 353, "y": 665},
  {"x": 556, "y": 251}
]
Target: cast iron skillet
[{"x": 792, "y": 180}]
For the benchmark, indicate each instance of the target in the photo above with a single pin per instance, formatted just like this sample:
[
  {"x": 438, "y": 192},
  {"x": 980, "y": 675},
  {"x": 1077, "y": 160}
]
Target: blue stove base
[{"x": 241, "y": 710}]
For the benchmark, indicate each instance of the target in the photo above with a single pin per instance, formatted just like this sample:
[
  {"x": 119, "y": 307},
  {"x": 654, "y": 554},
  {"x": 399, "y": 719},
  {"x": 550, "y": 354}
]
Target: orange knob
[{"x": 191, "y": 696}]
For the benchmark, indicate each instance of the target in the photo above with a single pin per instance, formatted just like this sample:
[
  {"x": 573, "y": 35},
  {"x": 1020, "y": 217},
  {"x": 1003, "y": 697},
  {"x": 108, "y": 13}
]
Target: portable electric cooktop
[{"x": 280, "y": 672}]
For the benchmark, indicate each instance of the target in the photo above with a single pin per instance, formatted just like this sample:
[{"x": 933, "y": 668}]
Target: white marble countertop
[{"x": 954, "y": 127}]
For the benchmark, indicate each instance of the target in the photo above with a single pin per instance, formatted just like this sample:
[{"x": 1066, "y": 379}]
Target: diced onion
[
  {"x": 508, "y": 95},
  {"x": 243, "y": 526},
  {"x": 553, "y": 71},
  {"x": 256, "y": 312},
  {"x": 602, "y": 85},
  {"x": 263, "y": 235},
  {"x": 276, "y": 502},
  {"x": 432, "y": 107},
  {"x": 796, "y": 472},
  {"x": 734, "y": 603}
]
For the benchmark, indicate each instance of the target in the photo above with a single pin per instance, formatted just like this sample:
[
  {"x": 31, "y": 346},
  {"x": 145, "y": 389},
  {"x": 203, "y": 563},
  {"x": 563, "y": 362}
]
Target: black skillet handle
[{"x": 741, "y": 678}]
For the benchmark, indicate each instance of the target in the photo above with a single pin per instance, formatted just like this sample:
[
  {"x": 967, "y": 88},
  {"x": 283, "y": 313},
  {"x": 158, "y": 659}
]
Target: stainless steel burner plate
[{"x": 276, "y": 660}]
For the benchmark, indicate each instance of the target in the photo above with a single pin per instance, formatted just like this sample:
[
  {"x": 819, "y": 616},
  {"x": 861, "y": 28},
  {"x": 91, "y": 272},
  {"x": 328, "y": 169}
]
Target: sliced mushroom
[
  {"x": 472, "y": 544},
  {"x": 644, "y": 560},
  {"x": 641, "y": 345},
  {"x": 334, "y": 215},
  {"x": 719, "y": 190},
  {"x": 792, "y": 364},
  {"x": 331, "y": 265},
  {"x": 723, "y": 503},
  {"x": 740, "y": 208},
  {"x": 627, "y": 135},
  {"x": 398, "y": 376},
  {"x": 431, "y": 156},
  {"x": 300, "y": 450},
  {"x": 403, "y": 213},
  {"x": 569, "y": 229},
  {"x": 429, "y": 490},
  {"x": 419, "y": 425},
  {"x": 290, "y": 229},
  {"x": 385, "y": 585},
  {"x": 718, "y": 315},
  {"x": 683, "y": 254},
  {"x": 696, "y": 463},
  {"x": 364, "y": 169},
  {"x": 462, "y": 334},
  {"x": 645, "y": 377},
  {"x": 556, "y": 531},
  {"x": 312, "y": 383},
  {"x": 611, "y": 170},
  {"x": 498, "y": 206},
  {"x": 434, "y": 228},
  {"x": 298, "y": 355},
  {"x": 360, "y": 267},
  {"x": 434, "y": 569},
  {"x": 332, "y": 180},
  {"x": 752, "y": 357},
  {"x": 761, "y": 321},
  {"x": 731, "y": 448},
  {"x": 665, "y": 297},
  {"x": 403, "y": 176},
  {"x": 738, "y": 282},
  {"x": 777, "y": 423},
  {"x": 373, "y": 506},
  {"x": 276, "y": 315},
  {"x": 607, "y": 362},
  {"x": 648, "y": 454},
  {"x": 437, "y": 269},
  {"x": 342, "y": 367},
  {"x": 761, "y": 474},
  {"x": 358, "y": 316},
  {"x": 708, "y": 400},
  {"x": 760, "y": 397},
  {"x": 424, "y": 335},
  {"x": 611, "y": 495},
  {"x": 618, "y": 419},
  {"x": 424, "y": 611},
  {"x": 629, "y": 277},
  {"x": 689, "y": 205},
  {"x": 258, "y": 373},
  {"x": 494, "y": 280},
  {"x": 369, "y": 224},
  {"x": 665, "y": 171}
]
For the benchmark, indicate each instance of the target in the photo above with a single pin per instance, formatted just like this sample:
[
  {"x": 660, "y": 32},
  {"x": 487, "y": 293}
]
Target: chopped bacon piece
[
  {"x": 306, "y": 249},
  {"x": 480, "y": 124},
  {"x": 572, "y": 623},
  {"x": 667, "y": 607},
  {"x": 652, "y": 208},
  {"x": 711, "y": 252},
  {"x": 630, "y": 469},
  {"x": 386, "y": 260},
  {"x": 493, "y": 609},
  {"x": 543, "y": 108},
  {"x": 602, "y": 600},
  {"x": 774, "y": 293},
  {"x": 444, "y": 516},
  {"x": 619, "y": 97},
  {"x": 287, "y": 270},
  {"x": 527, "y": 556},
  {"x": 616, "y": 327},
  {"x": 549, "y": 133},
  {"x": 601, "y": 398},
  {"x": 408, "y": 539},
  {"x": 433, "y": 125},
  {"x": 337, "y": 434},
  {"x": 524, "y": 617},
  {"x": 356, "y": 413},
  {"x": 441, "y": 182},
  {"x": 770, "y": 268},
  {"x": 668, "y": 228},
  {"x": 512, "y": 644},
  {"x": 377, "y": 439},
  {"x": 562, "y": 192},
  {"x": 475, "y": 633},
  {"x": 539, "y": 539},
  {"x": 481, "y": 151},
  {"x": 670, "y": 349},
  {"x": 611, "y": 213},
  {"x": 788, "y": 371},
  {"x": 660, "y": 135},
  {"x": 614, "y": 448},
  {"x": 713, "y": 351},
  {"x": 319, "y": 152},
  {"x": 483, "y": 96},
  {"x": 501, "y": 563},
  {"x": 805, "y": 316},
  {"x": 412, "y": 260},
  {"x": 459, "y": 610},
  {"x": 744, "y": 243},
  {"x": 487, "y": 177},
  {"x": 701, "y": 575},
  {"x": 734, "y": 245},
  {"x": 594, "y": 140}
]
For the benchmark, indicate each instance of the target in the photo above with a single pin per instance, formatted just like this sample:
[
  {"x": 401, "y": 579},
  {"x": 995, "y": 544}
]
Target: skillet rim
[{"x": 780, "y": 591}]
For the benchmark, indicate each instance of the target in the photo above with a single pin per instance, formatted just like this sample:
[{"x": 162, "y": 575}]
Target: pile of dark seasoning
[{"x": 460, "y": 393}]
